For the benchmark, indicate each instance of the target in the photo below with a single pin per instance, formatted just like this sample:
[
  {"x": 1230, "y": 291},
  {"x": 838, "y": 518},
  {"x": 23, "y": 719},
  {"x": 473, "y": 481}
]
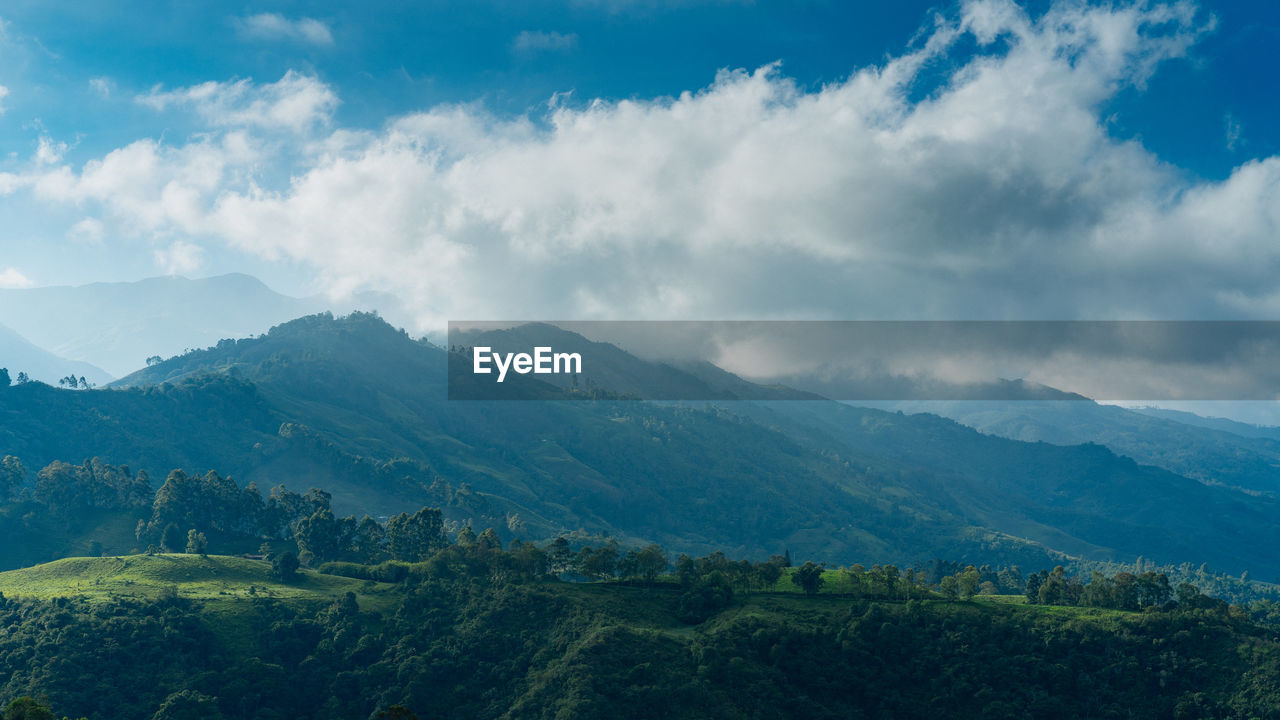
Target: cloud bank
[{"x": 998, "y": 193}]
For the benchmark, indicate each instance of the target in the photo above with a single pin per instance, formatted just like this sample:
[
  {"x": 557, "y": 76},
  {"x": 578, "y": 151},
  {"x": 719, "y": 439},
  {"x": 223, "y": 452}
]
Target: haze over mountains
[
  {"x": 17, "y": 354},
  {"x": 358, "y": 408},
  {"x": 117, "y": 326},
  {"x": 1213, "y": 450}
]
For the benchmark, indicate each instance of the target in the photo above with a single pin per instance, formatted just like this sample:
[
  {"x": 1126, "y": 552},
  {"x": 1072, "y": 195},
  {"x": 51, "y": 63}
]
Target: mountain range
[
  {"x": 361, "y": 409},
  {"x": 117, "y": 326},
  {"x": 19, "y": 355},
  {"x": 1214, "y": 451}
]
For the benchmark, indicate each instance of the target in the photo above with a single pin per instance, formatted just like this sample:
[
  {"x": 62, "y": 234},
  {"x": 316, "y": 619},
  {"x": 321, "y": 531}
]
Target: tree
[
  {"x": 12, "y": 475},
  {"x": 650, "y": 561},
  {"x": 1010, "y": 578},
  {"x": 489, "y": 540},
  {"x": 1034, "y": 581},
  {"x": 319, "y": 534},
  {"x": 23, "y": 378},
  {"x": 769, "y": 573},
  {"x": 414, "y": 537},
  {"x": 171, "y": 538},
  {"x": 686, "y": 570},
  {"x": 369, "y": 539},
  {"x": 189, "y": 705},
  {"x": 891, "y": 576},
  {"x": 529, "y": 560},
  {"x": 808, "y": 577},
  {"x": 5, "y": 381},
  {"x": 967, "y": 583},
  {"x": 559, "y": 555},
  {"x": 466, "y": 537},
  {"x": 1153, "y": 589},
  {"x": 708, "y": 595},
  {"x": 599, "y": 564},
  {"x": 25, "y": 708},
  {"x": 197, "y": 544},
  {"x": 154, "y": 360},
  {"x": 1058, "y": 589},
  {"x": 949, "y": 587},
  {"x": 285, "y": 566}
]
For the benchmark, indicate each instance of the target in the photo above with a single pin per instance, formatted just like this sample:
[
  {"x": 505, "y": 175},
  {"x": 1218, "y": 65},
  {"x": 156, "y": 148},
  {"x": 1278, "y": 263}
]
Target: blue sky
[
  {"x": 499, "y": 155},
  {"x": 386, "y": 59}
]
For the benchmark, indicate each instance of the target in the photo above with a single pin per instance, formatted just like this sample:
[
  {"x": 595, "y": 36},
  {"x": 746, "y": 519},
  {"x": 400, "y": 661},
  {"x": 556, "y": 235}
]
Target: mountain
[
  {"x": 1235, "y": 427},
  {"x": 361, "y": 409},
  {"x": 117, "y": 326},
  {"x": 19, "y": 355},
  {"x": 1214, "y": 452}
]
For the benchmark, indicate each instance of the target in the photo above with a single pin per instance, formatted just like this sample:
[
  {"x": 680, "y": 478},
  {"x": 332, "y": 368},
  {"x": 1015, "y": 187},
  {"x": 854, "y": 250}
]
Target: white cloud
[
  {"x": 295, "y": 102},
  {"x": 12, "y": 278},
  {"x": 4, "y": 93},
  {"x": 535, "y": 40},
  {"x": 271, "y": 26},
  {"x": 151, "y": 188},
  {"x": 102, "y": 86},
  {"x": 89, "y": 231},
  {"x": 179, "y": 258},
  {"x": 1000, "y": 194},
  {"x": 1234, "y": 133},
  {"x": 50, "y": 151}
]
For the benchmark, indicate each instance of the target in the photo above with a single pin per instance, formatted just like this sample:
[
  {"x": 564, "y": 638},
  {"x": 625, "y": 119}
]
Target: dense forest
[
  {"x": 339, "y": 617},
  {"x": 481, "y": 631},
  {"x": 554, "y": 560}
]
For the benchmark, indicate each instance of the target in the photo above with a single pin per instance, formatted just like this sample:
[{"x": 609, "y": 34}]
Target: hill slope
[
  {"x": 186, "y": 576},
  {"x": 1214, "y": 453},
  {"x": 358, "y": 408},
  {"x": 474, "y": 648}
]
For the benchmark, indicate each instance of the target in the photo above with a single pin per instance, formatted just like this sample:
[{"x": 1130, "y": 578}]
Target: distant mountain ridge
[
  {"x": 19, "y": 355},
  {"x": 1214, "y": 452},
  {"x": 118, "y": 325},
  {"x": 1235, "y": 427},
  {"x": 358, "y": 408}
]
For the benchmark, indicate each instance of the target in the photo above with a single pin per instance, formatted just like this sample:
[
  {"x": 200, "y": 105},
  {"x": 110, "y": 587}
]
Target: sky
[{"x": 655, "y": 159}]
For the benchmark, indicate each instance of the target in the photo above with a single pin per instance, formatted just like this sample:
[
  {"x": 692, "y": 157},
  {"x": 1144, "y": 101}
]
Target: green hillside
[
  {"x": 152, "y": 577},
  {"x": 137, "y": 633}
]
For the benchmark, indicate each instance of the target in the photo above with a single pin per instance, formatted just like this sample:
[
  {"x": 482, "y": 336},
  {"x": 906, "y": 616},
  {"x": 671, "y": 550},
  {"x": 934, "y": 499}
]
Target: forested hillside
[
  {"x": 359, "y": 408},
  {"x": 1218, "y": 452},
  {"x": 480, "y": 632}
]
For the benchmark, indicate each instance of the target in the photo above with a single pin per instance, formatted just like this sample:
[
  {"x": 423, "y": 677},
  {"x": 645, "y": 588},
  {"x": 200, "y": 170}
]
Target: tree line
[{"x": 186, "y": 510}]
